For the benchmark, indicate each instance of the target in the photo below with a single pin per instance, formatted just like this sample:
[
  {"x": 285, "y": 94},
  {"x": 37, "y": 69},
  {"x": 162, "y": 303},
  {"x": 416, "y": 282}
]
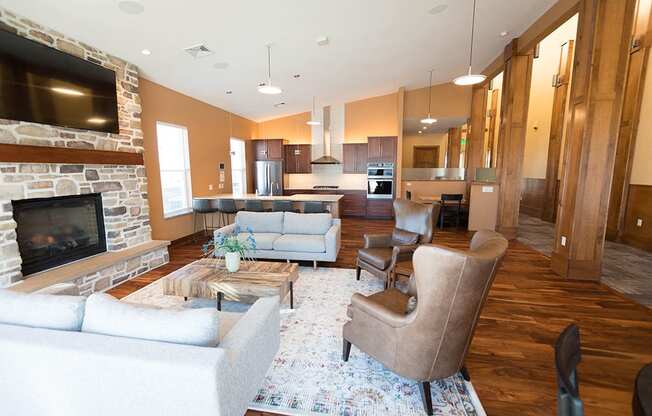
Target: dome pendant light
[
  {"x": 429, "y": 119},
  {"x": 268, "y": 87},
  {"x": 470, "y": 78},
  {"x": 312, "y": 121}
]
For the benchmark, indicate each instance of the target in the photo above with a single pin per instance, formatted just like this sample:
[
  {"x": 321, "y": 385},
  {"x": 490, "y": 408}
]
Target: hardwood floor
[{"x": 511, "y": 357}]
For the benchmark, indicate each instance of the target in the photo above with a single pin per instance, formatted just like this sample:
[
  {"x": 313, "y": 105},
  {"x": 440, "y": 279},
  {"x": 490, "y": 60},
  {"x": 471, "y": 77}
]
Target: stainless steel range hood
[{"x": 326, "y": 159}]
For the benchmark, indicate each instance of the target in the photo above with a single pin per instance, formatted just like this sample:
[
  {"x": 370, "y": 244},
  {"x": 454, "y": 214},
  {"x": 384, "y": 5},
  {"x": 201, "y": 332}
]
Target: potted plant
[{"x": 232, "y": 246}]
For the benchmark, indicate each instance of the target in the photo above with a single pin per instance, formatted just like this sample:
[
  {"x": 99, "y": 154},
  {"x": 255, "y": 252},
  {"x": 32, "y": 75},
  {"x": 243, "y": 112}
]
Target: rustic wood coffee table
[{"x": 208, "y": 278}]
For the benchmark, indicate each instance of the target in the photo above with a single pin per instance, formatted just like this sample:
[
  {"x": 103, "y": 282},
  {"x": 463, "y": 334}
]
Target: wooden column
[
  {"x": 454, "y": 147},
  {"x": 475, "y": 138},
  {"x": 511, "y": 142},
  {"x": 601, "y": 57}
]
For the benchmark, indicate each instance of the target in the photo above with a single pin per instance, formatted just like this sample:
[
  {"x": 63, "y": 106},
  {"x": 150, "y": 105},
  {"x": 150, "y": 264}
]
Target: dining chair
[
  {"x": 567, "y": 357},
  {"x": 451, "y": 207}
]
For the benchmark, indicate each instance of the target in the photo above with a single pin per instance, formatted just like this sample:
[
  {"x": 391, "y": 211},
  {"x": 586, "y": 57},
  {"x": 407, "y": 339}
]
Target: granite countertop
[{"x": 295, "y": 198}]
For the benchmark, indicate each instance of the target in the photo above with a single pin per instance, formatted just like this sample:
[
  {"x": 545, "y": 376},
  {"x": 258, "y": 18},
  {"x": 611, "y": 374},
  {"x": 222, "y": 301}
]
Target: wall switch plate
[
  {"x": 639, "y": 222},
  {"x": 210, "y": 187},
  {"x": 487, "y": 189},
  {"x": 221, "y": 186},
  {"x": 563, "y": 241}
]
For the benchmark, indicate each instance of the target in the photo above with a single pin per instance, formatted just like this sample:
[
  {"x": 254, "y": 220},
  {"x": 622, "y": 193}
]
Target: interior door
[{"x": 425, "y": 157}]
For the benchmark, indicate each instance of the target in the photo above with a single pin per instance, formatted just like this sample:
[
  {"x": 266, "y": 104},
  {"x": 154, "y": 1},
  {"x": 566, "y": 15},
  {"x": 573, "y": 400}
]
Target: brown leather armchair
[
  {"x": 431, "y": 341},
  {"x": 381, "y": 252}
]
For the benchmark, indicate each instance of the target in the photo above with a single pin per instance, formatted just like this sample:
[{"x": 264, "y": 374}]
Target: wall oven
[{"x": 380, "y": 180}]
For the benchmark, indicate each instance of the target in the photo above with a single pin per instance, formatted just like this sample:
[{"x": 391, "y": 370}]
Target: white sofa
[
  {"x": 73, "y": 373},
  {"x": 289, "y": 235}
]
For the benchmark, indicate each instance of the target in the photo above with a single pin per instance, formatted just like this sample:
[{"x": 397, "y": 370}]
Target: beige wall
[
  {"x": 375, "y": 116},
  {"x": 291, "y": 128},
  {"x": 436, "y": 139},
  {"x": 209, "y": 131},
  {"x": 541, "y": 99},
  {"x": 641, "y": 166},
  {"x": 448, "y": 100}
]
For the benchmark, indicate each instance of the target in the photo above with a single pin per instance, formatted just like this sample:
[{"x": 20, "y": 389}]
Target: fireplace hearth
[{"x": 55, "y": 231}]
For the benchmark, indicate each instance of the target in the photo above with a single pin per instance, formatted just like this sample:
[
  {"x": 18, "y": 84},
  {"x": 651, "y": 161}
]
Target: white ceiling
[{"x": 376, "y": 46}]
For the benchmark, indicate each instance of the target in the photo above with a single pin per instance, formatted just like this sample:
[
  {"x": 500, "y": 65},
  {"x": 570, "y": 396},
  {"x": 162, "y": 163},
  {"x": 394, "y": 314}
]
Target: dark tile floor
[{"x": 626, "y": 269}]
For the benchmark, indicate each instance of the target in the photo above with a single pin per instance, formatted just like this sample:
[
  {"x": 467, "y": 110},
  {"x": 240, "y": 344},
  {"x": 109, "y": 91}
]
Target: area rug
[{"x": 308, "y": 376}]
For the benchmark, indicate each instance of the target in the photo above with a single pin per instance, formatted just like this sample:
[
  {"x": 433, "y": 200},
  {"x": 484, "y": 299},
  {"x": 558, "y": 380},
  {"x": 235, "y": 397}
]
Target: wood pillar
[
  {"x": 511, "y": 140},
  {"x": 475, "y": 137},
  {"x": 601, "y": 58},
  {"x": 635, "y": 83},
  {"x": 454, "y": 147}
]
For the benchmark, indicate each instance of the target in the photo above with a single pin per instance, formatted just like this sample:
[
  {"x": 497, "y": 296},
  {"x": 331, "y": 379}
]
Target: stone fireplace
[{"x": 122, "y": 189}]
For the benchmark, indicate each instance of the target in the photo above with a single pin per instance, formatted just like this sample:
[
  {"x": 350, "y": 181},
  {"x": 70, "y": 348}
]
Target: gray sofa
[{"x": 289, "y": 235}]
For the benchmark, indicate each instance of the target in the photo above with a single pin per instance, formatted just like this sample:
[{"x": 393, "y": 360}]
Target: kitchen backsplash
[{"x": 330, "y": 175}]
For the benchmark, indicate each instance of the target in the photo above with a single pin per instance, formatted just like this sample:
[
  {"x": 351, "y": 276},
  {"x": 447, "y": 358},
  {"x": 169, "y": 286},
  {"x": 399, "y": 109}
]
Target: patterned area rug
[{"x": 308, "y": 376}]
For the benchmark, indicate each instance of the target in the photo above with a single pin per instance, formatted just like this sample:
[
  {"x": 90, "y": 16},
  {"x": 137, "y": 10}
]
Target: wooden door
[
  {"x": 260, "y": 149},
  {"x": 361, "y": 155},
  {"x": 558, "y": 121},
  {"x": 425, "y": 157},
  {"x": 275, "y": 149}
]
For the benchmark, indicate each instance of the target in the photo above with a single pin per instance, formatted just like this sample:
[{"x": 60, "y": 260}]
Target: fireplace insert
[{"x": 59, "y": 230}]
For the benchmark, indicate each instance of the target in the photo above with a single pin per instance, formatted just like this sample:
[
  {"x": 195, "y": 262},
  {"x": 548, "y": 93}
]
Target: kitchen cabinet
[
  {"x": 353, "y": 203},
  {"x": 380, "y": 208},
  {"x": 382, "y": 149},
  {"x": 297, "y": 158},
  {"x": 271, "y": 149},
  {"x": 354, "y": 158}
]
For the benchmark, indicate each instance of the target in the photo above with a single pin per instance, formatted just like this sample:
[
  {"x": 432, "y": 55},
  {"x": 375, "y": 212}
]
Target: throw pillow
[
  {"x": 64, "y": 313},
  {"x": 403, "y": 238},
  {"x": 108, "y": 316}
]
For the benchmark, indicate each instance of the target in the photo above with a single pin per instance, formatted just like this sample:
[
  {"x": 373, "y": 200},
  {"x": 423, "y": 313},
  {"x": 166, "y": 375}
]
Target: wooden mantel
[{"x": 18, "y": 153}]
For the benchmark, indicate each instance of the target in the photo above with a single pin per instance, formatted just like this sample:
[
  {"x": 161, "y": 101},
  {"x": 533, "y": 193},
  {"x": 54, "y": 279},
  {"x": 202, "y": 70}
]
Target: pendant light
[
  {"x": 268, "y": 87},
  {"x": 470, "y": 78},
  {"x": 312, "y": 121},
  {"x": 429, "y": 119}
]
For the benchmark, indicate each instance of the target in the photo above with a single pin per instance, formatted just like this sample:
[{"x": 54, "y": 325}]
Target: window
[
  {"x": 238, "y": 167},
  {"x": 174, "y": 164}
]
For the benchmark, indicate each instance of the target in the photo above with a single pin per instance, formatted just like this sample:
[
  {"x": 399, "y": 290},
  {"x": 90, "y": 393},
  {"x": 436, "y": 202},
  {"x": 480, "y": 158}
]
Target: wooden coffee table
[{"x": 208, "y": 278}]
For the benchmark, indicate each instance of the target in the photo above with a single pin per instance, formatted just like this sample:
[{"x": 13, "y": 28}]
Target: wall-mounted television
[{"x": 43, "y": 85}]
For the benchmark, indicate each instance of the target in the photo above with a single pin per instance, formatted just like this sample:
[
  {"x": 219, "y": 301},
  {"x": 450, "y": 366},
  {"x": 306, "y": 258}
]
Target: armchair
[
  {"x": 431, "y": 341},
  {"x": 381, "y": 252}
]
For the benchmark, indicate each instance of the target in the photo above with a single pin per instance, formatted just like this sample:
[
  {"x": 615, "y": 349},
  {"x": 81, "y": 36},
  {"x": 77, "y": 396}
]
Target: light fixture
[
  {"x": 229, "y": 92},
  {"x": 67, "y": 91},
  {"x": 420, "y": 132},
  {"x": 268, "y": 87},
  {"x": 131, "y": 6},
  {"x": 504, "y": 33},
  {"x": 312, "y": 121},
  {"x": 470, "y": 78},
  {"x": 146, "y": 52},
  {"x": 96, "y": 120},
  {"x": 429, "y": 119}
]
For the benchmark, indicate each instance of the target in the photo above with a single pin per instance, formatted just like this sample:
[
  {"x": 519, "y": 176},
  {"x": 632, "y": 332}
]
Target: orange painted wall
[
  {"x": 448, "y": 100},
  {"x": 375, "y": 116},
  {"x": 291, "y": 128},
  {"x": 209, "y": 131}
]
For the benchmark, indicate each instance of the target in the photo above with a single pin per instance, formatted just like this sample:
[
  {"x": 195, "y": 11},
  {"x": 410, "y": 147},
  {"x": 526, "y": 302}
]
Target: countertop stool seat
[
  {"x": 255, "y": 205},
  {"x": 204, "y": 208},
  {"x": 314, "y": 207},
  {"x": 226, "y": 207},
  {"x": 283, "y": 206}
]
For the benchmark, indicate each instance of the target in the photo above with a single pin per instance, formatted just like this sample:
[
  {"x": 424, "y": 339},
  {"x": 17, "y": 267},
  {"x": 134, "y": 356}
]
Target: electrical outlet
[
  {"x": 639, "y": 222},
  {"x": 563, "y": 241},
  {"x": 221, "y": 186},
  {"x": 210, "y": 187}
]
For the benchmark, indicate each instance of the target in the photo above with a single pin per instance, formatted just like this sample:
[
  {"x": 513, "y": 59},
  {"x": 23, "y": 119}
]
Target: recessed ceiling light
[
  {"x": 504, "y": 33},
  {"x": 425, "y": 128},
  {"x": 322, "y": 41},
  {"x": 281, "y": 104},
  {"x": 229, "y": 92},
  {"x": 438, "y": 9},
  {"x": 131, "y": 6},
  {"x": 296, "y": 76},
  {"x": 420, "y": 132},
  {"x": 221, "y": 65},
  {"x": 146, "y": 52}
]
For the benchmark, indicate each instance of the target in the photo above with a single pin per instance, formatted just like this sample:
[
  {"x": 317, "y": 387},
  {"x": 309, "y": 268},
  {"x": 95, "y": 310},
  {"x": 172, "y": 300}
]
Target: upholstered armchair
[
  {"x": 425, "y": 334},
  {"x": 381, "y": 252}
]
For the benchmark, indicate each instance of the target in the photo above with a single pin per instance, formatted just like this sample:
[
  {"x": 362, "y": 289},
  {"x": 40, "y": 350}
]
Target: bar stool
[
  {"x": 226, "y": 207},
  {"x": 283, "y": 206},
  {"x": 203, "y": 207},
  {"x": 451, "y": 207},
  {"x": 314, "y": 207},
  {"x": 255, "y": 205}
]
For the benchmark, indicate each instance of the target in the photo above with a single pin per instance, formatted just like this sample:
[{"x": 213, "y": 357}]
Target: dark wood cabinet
[
  {"x": 353, "y": 203},
  {"x": 297, "y": 158},
  {"x": 382, "y": 149},
  {"x": 380, "y": 208},
  {"x": 354, "y": 158},
  {"x": 271, "y": 149}
]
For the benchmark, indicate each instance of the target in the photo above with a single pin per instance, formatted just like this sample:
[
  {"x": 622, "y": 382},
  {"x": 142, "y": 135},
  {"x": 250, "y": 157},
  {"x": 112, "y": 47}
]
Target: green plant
[{"x": 230, "y": 243}]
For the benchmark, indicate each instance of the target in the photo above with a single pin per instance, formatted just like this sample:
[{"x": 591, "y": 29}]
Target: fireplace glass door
[{"x": 54, "y": 231}]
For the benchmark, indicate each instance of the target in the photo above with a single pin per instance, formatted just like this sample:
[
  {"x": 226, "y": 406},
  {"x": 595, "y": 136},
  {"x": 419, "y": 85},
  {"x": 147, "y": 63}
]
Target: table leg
[
  {"x": 219, "y": 301},
  {"x": 185, "y": 298},
  {"x": 291, "y": 295}
]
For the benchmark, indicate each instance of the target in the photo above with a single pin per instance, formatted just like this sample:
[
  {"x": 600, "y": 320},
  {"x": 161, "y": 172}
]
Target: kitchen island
[{"x": 331, "y": 202}]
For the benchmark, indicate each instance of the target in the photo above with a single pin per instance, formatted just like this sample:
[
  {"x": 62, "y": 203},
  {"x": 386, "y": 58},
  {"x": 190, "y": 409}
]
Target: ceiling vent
[{"x": 199, "y": 51}]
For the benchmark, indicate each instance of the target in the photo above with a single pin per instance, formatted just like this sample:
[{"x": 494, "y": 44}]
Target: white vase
[{"x": 232, "y": 261}]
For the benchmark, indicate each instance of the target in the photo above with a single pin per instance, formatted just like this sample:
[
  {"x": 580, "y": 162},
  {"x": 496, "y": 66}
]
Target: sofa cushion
[
  {"x": 312, "y": 224},
  {"x": 64, "y": 313},
  {"x": 301, "y": 242},
  {"x": 264, "y": 241},
  {"x": 260, "y": 222},
  {"x": 108, "y": 316},
  {"x": 379, "y": 257}
]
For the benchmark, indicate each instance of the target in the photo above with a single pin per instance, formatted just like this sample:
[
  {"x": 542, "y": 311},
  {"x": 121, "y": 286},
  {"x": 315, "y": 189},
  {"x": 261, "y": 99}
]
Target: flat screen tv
[{"x": 43, "y": 85}]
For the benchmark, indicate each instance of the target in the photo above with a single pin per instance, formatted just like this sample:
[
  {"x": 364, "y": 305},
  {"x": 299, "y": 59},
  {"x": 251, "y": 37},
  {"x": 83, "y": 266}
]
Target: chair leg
[
  {"x": 465, "y": 373},
  {"x": 204, "y": 231},
  {"x": 357, "y": 272},
  {"x": 194, "y": 227},
  {"x": 346, "y": 350},
  {"x": 441, "y": 218},
  {"x": 424, "y": 388}
]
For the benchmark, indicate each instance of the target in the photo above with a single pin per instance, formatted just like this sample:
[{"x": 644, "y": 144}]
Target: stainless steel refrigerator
[{"x": 269, "y": 178}]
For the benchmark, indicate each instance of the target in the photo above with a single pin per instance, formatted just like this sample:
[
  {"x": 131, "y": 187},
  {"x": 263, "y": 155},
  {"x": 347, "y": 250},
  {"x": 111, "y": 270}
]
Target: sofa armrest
[
  {"x": 333, "y": 239},
  {"x": 377, "y": 240},
  {"x": 227, "y": 229},
  {"x": 377, "y": 311}
]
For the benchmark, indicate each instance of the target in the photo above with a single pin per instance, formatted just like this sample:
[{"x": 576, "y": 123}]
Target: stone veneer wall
[{"x": 123, "y": 188}]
